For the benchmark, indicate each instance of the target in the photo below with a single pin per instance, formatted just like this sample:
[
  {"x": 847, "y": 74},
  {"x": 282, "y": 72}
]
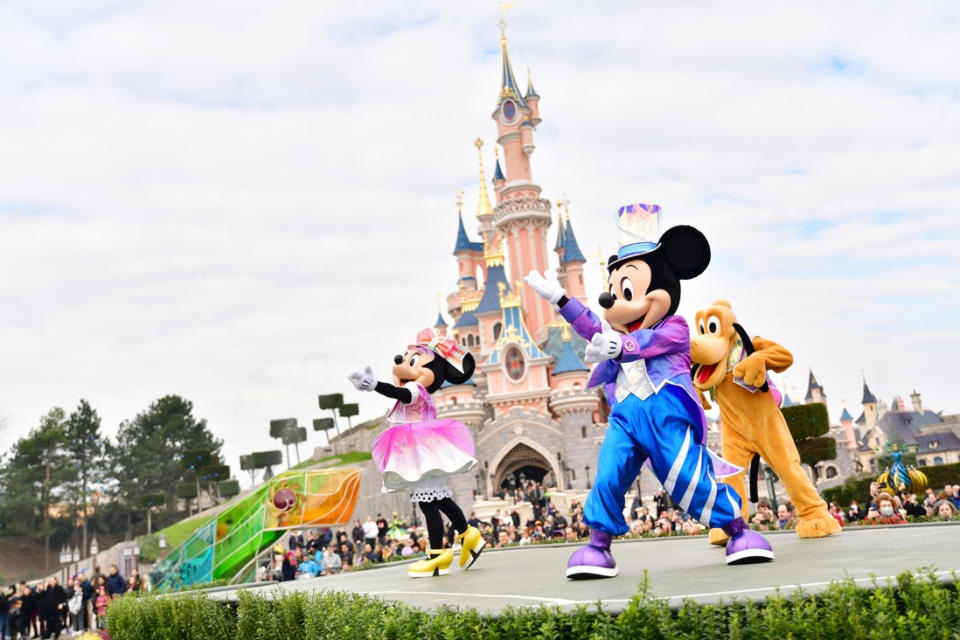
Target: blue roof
[
  {"x": 466, "y": 320},
  {"x": 571, "y": 250},
  {"x": 514, "y": 330},
  {"x": 463, "y": 242},
  {"x": 845, "y": 415},
  {"x": 497, "y": 173},
  {"x": 440, "y": 321},
  {"x": 508, "y": 83},
  {"x": 867, "y": 395},
  {"x": 561, "y": 236},
  {"x": 569, "y": 360},
  {"x": 787, "y": 402},
  {"x": 491, "y": 291},
  {"x": 531, "y": 92},
  {"x": 447, "y": 383}
]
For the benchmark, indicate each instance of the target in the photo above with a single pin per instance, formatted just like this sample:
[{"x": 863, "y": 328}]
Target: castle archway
[{"x": 522, "y": 456}]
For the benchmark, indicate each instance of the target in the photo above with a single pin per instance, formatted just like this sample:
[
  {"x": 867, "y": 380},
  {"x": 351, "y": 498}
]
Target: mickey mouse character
[
  {"x": 419, "y": 452},
  {"x": 643, "y": 352}
]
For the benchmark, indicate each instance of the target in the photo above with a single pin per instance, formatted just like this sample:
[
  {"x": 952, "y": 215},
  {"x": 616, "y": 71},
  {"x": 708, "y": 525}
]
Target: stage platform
[{"x": 679, "y": 568}]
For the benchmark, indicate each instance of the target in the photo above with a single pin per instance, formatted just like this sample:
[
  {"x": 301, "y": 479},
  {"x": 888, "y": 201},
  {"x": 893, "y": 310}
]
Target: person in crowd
[
  {"x": 75, "y": 605},
  {"x": 784, "y": 519},
  {"x": 955, "y": 496},
  {"x": 929, "y": 499},
  {"x": 886, "y": 511},
  {"x": 945, "y": 510},
  {"x": 103, "y": 599},
  {"x": 115, "y": 581},
  {"x": 288, "y": 570},
  {"x": 331, "y": 562},
  {"x": 381, "y": 528},
  {"x": 4, "y": 613},
  {"x": 763, "y": 519},
  {"x": 912, "y": 507},
  {"x": 307, "y": 569},
  {"x": 853, "y": 513},
  {"x": 370, "y": 531},
  {"x": 838, "y": 514},
  {"x": 19, "y": 624},
  {"x": 52, "y": 604}
]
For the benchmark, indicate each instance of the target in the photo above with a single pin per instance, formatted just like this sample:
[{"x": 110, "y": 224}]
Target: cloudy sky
[{"x": 241, "y": 202}]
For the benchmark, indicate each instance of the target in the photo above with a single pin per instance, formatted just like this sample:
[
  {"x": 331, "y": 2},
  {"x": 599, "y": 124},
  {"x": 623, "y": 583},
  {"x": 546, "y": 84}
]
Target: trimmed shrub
[{"x": 915, "y": 606}]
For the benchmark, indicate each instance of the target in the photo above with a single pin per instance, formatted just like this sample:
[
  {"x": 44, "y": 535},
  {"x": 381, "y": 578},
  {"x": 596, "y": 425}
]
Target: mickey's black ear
[
  {"x": 456, "y": 377},
  {"x": 686, "y": 250}
]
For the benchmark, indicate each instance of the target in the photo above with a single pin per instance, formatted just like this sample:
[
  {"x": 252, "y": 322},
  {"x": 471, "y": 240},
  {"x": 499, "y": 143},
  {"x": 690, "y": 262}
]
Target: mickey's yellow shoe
[
  {"x": 471, "y": 544},
  {"x": 438, "y": 564}
]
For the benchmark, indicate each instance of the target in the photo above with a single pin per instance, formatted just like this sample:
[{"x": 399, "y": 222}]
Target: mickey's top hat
[{"x": 638, "y": 227}]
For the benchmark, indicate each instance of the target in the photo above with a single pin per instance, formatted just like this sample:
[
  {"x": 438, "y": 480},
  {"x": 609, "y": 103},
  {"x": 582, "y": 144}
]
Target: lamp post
[{"x": 94, "y": 547}]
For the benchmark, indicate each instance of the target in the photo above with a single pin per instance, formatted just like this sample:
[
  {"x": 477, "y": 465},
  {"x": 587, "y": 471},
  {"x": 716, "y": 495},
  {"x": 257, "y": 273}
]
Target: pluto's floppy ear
[
  {"x": 686, "y": 250},
  {"x": 456, "y": 377},
  {"x": 748, "y": 347}
]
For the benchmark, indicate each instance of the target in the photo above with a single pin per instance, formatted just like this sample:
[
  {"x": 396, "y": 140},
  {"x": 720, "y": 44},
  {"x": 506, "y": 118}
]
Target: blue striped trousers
[{"x": 659, "y": 428}]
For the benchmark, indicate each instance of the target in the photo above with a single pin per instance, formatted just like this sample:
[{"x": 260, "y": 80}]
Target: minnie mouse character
[
  {"x": 419, "y": 452},
  {"x": 643, "y": 352}
]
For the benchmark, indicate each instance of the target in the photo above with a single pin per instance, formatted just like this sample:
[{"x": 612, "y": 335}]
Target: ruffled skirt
[{"x": 421, "y": 455}]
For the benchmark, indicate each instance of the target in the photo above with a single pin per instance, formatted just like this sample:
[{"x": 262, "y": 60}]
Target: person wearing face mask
[{"x": 886, "y": 512}]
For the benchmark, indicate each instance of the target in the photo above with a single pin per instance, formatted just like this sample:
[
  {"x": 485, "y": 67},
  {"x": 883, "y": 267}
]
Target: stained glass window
[{"x": 515, "y": 363}]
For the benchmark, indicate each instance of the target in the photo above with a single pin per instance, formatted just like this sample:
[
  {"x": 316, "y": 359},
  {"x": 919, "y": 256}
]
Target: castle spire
[
  {"x": 509, "y": 89},
  {"x": 484, "y": 208}
]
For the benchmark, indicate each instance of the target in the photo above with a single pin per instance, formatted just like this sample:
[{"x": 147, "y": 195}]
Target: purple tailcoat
[{"x": 665, "y": 347}]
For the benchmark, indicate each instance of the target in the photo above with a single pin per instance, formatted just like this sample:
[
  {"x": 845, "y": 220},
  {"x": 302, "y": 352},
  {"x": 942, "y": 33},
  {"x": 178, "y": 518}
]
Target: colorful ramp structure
[{"x": 227, "y": 546}]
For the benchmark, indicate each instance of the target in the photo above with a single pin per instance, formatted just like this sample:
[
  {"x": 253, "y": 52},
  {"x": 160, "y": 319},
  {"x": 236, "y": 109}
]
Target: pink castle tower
[{"x": 521, "y": 215}]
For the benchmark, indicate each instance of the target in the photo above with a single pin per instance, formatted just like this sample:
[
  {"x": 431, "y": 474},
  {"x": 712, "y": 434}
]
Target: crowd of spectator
[{"x": 49, "y": 609}]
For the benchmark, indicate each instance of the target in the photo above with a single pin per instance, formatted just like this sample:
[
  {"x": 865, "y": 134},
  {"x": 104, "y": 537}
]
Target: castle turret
[
  {"x": 815, "y": 392},
  {"x": 871, "y": 414},
  {"x": 572, "y": 262},
  {"x": 846, "y": 421},
  {"x": 521, "y": 215}
]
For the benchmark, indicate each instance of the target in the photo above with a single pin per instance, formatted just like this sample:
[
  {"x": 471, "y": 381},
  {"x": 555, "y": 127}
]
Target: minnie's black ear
[
  {"x": 686, "y": 250},
  {"x": 456, "y": 377}
]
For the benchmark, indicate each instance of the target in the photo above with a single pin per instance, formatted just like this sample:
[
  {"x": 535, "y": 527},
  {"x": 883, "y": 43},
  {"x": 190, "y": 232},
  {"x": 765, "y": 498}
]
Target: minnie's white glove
[
  {"x": 547, "y": 287},
  {"x": 365, "y": 381},
  {"x": 603, "y": 346}
]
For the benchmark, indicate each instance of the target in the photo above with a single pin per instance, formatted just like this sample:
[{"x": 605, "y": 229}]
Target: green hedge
[
  {"x": 917, "y": 606},
  {"x": 859, "y": 488},
  {"x": 807, "y": 420}
]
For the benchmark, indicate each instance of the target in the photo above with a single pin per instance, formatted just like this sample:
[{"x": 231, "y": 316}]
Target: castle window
[
  {"x": 496, "y": 330},
  {"x": 514, "y": 363},
  {"x": 583, "y": 432},
  {"x": 831, "y": 472},
  {"x": 938, "y": 460},
  {"x": 577, "y": 386},
  {"x": 934, "y": 444},
  {"x": 453, "y": 402},
  {"x": 922, "y": 462}
]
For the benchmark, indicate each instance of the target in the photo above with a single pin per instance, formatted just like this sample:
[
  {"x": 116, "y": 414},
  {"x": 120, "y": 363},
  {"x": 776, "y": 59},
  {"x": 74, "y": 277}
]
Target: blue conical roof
[
  {"x": 466, "y": 320},
  {"x": 440, "y": 321},
  {"x": 845, "y": 415},
  {"x": 868, "y": 397},
  {"x": 497, "y": 172},
  {"x": 491, "y": 290},
  {"x": 569, "y": 360},
  {"x": 571, "y": 250},
  {"x": 508, "y": 82},
  {"x": 463, "y": 241}
]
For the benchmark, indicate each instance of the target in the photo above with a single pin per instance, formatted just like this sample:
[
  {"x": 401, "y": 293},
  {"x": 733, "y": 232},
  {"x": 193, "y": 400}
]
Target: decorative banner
[{"x": 222, "y": 547}]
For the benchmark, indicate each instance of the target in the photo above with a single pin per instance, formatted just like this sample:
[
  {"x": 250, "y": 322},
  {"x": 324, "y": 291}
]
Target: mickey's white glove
[
  {"x": 605, "y": 345},
  {"x": 547, "y": 287},
  {"x": 365, "y": 381}
]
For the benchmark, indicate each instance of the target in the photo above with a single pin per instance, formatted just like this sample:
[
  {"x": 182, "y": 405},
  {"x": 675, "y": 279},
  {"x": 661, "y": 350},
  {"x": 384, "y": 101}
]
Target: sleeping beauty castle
[{"x": 527, "y": 404}]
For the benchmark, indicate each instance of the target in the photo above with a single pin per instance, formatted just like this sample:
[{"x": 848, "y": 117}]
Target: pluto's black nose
[{"x": 606, "y": 300}]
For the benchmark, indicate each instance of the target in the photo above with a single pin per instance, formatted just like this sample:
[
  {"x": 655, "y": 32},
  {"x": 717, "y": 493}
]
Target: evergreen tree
[
  {"x": 150, "y": 445},
  {"x": 86, "y": 454}
]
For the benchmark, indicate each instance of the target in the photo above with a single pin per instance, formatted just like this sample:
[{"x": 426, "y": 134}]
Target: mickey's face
[
  {"x": 412, "y": 367},
  {"x": 628, "y": 303}
]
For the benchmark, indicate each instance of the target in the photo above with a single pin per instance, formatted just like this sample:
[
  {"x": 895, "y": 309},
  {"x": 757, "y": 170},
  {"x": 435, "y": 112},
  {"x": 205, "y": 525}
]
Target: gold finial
[
  {"x": 565, "y": 334},
  {"x": 484, "y": 208},
  {"x": 496, "y": 151}
]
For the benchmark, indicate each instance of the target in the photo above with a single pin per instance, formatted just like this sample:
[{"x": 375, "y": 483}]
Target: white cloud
[{"x": 241, "y": 202}]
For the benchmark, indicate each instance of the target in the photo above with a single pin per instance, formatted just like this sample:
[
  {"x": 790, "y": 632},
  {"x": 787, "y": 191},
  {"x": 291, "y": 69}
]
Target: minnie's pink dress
[{"x": 418, "y": 451}]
